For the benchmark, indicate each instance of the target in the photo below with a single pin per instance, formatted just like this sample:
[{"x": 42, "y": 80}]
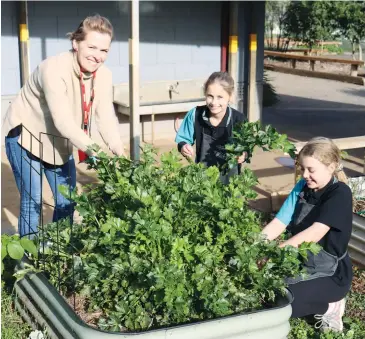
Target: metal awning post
[
  {"x": 233, "y": 48},
  {"x": 256, "y": 60},
  {"x": 24, "y": 41},
  {"x": 134, "y": 82}
]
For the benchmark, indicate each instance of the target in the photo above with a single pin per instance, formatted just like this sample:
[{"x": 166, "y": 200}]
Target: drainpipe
[
  {"x": 233, "y": 47},
  {"x": 23, "y": 42},
  {"x": 134, "y": 82}
]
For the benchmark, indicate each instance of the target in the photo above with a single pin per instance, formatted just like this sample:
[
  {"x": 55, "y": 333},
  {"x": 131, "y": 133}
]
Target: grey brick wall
[
  {"x": 179, "y": 40},
  {"x": 10, "y": 72}
]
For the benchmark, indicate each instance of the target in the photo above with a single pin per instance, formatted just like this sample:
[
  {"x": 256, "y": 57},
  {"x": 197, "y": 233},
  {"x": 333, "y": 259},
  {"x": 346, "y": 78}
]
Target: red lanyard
[{"x": 86, "y": 108}]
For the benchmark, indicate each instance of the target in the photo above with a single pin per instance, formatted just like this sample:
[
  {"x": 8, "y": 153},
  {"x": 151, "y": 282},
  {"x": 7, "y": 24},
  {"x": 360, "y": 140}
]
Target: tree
[
  {"x": 274, "y": 18},
  {"x": 351, "y": 22},
  {"x": 323, "y": 19},
  {"x": 270, "y": 22},
  {"x": 309, "y": 21}
]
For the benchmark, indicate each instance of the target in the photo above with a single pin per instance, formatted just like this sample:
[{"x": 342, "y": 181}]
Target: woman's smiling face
[{"x": 92, "y": 51}]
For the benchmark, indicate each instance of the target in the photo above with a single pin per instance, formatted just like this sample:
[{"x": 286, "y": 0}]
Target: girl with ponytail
[{"x": 319, "y": 209}]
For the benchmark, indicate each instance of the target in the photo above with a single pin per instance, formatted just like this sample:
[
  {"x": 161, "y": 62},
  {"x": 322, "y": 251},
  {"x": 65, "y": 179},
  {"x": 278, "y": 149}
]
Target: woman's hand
[
  {"x": 242, "y": 158},
  {"x": 187, "y": 151}
]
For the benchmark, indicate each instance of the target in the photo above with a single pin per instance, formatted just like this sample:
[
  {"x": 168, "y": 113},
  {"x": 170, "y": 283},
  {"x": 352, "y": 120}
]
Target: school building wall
[{"x": 178, "y": 40}]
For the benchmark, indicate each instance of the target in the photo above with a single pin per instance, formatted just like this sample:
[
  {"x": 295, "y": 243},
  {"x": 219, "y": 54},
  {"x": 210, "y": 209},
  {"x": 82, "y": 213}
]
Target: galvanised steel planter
[
  {"x": 41, "y": 305},
  {"x": 357, "y": 241}
]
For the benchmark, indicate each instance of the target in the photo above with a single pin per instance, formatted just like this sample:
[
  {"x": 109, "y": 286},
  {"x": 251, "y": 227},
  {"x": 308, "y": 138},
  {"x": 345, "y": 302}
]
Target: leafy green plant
[
  {"x": 300, "y": 329},
  {"x": 60, "y": 259},
  {"x": 13, "y": 248},
  {"x": 354, "y": 320},
  {"x": 163, "y": 244},
  {"x": 248, "y": 135}
]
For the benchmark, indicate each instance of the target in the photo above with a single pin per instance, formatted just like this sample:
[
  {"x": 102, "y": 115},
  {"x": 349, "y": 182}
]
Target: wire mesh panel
[
  {"x": 240, "y": 91},
  {"x": 53, "y": 260},
  {"x": 30, "y": 187}
]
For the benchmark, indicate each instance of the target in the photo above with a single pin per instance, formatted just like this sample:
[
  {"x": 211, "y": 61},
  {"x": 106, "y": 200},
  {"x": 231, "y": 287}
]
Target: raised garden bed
[
  {"x": 357, "y": 242},
  {"x": 166, "y": 250},
  {"x": 42, "y": 304}
]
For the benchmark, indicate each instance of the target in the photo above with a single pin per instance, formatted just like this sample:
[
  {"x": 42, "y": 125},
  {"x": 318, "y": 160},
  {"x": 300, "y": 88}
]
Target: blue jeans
[{"x": 27, "y": 173}]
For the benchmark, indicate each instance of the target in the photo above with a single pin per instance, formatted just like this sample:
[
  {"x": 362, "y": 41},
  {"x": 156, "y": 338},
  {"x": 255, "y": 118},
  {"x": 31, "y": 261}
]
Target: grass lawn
[{"x": 12, "y": 325}]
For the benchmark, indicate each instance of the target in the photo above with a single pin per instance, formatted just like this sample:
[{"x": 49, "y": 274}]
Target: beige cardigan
[{"x": 50, "y": 102}]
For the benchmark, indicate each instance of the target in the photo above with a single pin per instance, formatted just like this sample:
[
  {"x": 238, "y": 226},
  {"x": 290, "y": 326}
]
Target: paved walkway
[
  {"x": 317, "y": 107},
  {"x": 308, "y": 107}
]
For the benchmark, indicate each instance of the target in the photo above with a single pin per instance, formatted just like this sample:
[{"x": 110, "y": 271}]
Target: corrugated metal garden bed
[{"x": 42, "y": 306}]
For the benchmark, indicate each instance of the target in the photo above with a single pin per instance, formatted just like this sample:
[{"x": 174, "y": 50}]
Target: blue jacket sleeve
[
  {"x": 287, "y": 210},
  {"x": 186, "y": 133}
]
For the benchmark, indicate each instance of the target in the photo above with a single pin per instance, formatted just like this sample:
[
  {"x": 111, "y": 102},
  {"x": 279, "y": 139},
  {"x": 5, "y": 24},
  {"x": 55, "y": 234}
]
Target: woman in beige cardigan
[{"x": 53, "y": 111}]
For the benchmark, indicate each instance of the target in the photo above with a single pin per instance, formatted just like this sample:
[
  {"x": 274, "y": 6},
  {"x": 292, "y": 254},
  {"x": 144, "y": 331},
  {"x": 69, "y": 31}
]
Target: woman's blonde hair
[
  {"x": 95, "y": 23},
  {"x": 324, "y": 150}
]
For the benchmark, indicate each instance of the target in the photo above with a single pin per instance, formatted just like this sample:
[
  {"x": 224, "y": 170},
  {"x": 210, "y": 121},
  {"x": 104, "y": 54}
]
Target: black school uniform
[
  {"x": 332, "y": 207},
  {"x": 210, "y": 140}
]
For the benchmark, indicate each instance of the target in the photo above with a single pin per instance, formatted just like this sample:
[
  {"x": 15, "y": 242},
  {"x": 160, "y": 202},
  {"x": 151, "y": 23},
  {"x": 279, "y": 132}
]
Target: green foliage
[
  {"x": 248, "y": 135},
  {"x": 314, "y": 21},
  {"x": 333, "y": 49},
  {"x": 62, "y": 254},
  {"x": 163, "y": 244},
  {"x": 275, "y": 14},
  {"x": 14, "y": 247},
  {"x": 356, "y": 305},
  {"x": 12, "y": 325},
  {"x": 350, "y": 18},
  {"x": 310, "y": 21},
  {"x": 354, "y": 320},
  {"x": 300, "y": 329}
]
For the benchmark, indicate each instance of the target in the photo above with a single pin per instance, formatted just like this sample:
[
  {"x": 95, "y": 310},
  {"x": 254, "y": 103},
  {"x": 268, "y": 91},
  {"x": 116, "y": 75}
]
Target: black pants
[{"x": 313, "y": 296}]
